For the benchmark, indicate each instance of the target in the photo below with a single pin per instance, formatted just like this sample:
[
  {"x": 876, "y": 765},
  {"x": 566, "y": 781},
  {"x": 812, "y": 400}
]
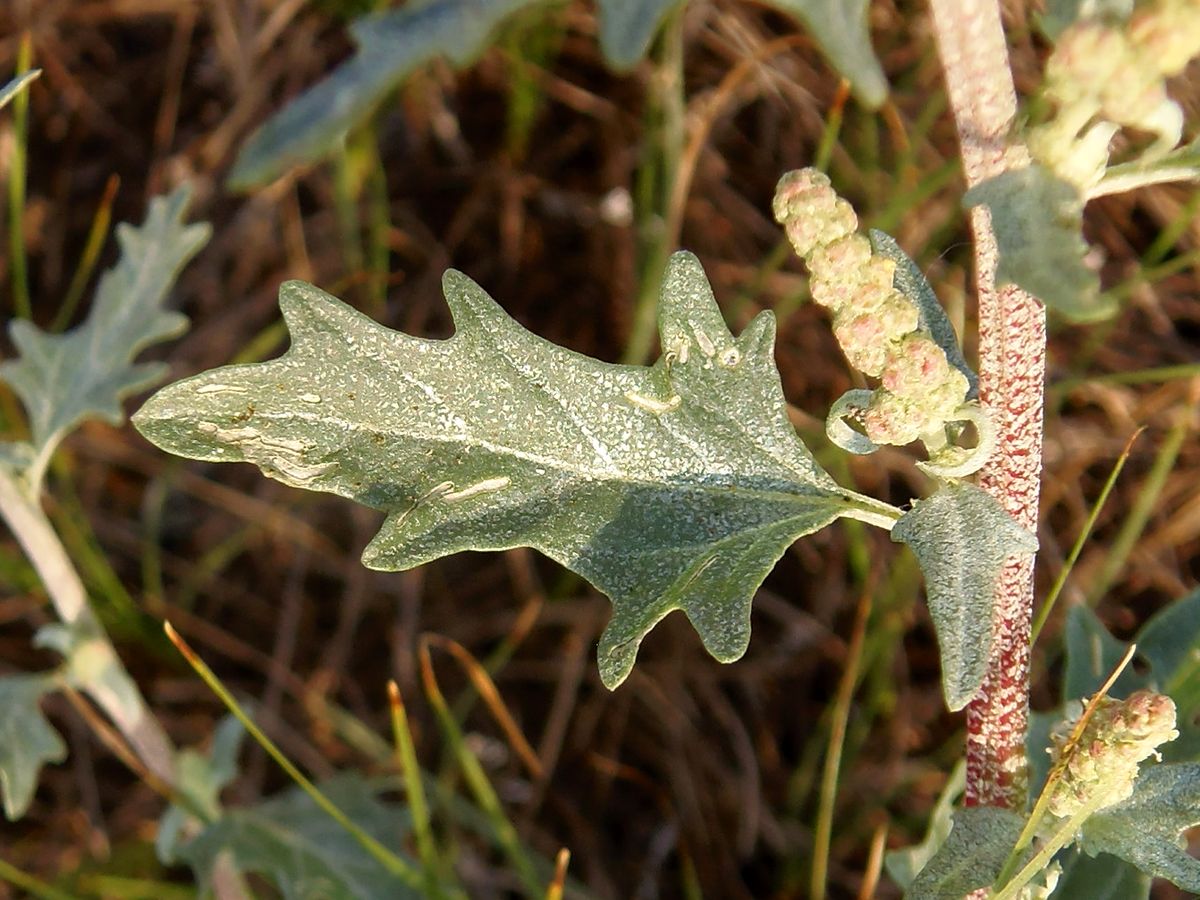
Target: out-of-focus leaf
[
  {"x": 1103, "y": 877},
  {"x": 1037, "y": 747},
  {"x": 27, "y": 740},
  {"x": 1169, "y": 656},
  {"x": 840, "y": 28},
  {"x": 1061, "y": 14},
  {"x": 306, "y": 854},
  {"x": 201, "y": 777},
  {"x": 961, "y": 537},
  {"x": 912, "y": 283},
  {"x": 1038, "y": 218},
  {"x": 1092, "y": 655},
  {"x": 903, "y": 865},
  {"x": 15, "y": 86},
  {"x": 1146, "y": 830},
  {"x": 390, "y": 46},
  {"x": 971, "y": 856},
  {"x": 628, "y": 26},
  {"x": 393, "y": 44},
  {"x": 64, "y": 379},
  {"x": 673, "y": 486}
]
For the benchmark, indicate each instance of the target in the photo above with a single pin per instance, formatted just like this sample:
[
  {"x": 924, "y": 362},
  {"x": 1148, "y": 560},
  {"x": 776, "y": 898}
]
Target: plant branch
[
  {"x": 93, "y": 663},
  {"x": 1012, "y": 357}
]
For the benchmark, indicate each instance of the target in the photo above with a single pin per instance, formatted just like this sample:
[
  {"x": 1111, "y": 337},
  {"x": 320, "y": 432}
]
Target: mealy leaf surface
[
  {"x": 972, "y": 855},
  {"x": 1147, "y": 829},
  {"x": 1037, "y": 218},
  {"x": 961, "y": 537},
  {"x": 27, "y": 740},
  {"x": 673, "y": 486}
]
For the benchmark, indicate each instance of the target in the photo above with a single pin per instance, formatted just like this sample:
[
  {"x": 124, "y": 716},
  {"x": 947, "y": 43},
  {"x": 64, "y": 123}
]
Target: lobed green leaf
[
  {"x": 85, "y": 373},
  {"x": 961, "y": 537},
  {"x": 294, "y": 843},
  {"x": 201, "y": 777},
  {"x": 673, "y": 486},
  {"x": 27, "y": 740}
]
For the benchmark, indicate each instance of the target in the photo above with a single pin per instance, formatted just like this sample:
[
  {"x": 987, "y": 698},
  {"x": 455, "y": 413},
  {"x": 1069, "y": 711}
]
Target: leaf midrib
[{"x": 572, "y": 470}]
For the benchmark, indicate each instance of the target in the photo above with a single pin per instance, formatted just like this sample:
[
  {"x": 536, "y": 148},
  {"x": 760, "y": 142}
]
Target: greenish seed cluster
[
  {"x": 875, "y": 324},
  {"x": 1105, "y": 75},
  {"x": 1102, "y": 765}
]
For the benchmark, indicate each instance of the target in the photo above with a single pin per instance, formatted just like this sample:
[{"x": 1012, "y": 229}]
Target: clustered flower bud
[
  {"x": 876, "y": 325},
  {"x": 1114, "y": 72},
  {"x": 1102, "y": 765}
]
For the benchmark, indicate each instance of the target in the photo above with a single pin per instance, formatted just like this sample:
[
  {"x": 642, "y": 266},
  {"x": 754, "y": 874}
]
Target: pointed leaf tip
[{"x": 961, "y": 537}]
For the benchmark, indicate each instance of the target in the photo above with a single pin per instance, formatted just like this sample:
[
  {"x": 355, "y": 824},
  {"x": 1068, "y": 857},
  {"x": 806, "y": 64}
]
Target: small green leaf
[
  {"x": 390, "y": 46},
  {"x": 674, "y": 486},
  {"x": 201, "y": 777},
  {"x": 15, "y": 86},
  {"x": 840, "y": 28},
  {"x": 904, "y": 865},
  {"x": 27, "y": 740},
  {"x": 295, "y": 844},
  {"x": 961, "y": 537},
  {"x": 628, "y": 26},
  {"x": 972, "y": 855},
  {"x": 1146, "y": 830},
  {"x": 912, "y": 283},
  {"x": 1103, "y": 877},
  {"x": 64, "y": 379},
  {"x": 1038, "y": 222}
]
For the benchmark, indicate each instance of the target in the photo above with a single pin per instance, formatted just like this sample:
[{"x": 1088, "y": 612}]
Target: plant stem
[
  {"x": 1012, "y": 362},
  {"x": 109, "y": 684}
]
